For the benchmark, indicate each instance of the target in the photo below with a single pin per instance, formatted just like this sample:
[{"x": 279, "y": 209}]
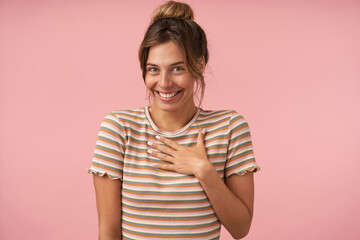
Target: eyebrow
[{"x": 181, "y": 62}]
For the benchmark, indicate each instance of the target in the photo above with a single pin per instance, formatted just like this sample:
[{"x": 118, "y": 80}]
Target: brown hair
[{"x": 174, "y": 21}]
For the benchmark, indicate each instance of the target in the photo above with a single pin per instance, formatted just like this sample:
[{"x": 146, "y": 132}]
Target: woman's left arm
[{"x": 232, "y": 201}]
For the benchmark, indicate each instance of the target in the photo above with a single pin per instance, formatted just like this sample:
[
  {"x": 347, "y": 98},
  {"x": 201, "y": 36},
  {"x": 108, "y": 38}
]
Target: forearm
[
  {"x": 231, "y": 210},
  {"x": 110, "y": 230},
  {"x": 103, "y": 236},
  {"x": 106, "y": 233}
]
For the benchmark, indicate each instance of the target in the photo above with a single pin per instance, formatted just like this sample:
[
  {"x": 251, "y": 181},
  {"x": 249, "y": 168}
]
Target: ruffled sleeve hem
[
  {"x": 254, "y": 168},
  {"x": 111, "y": 176}
]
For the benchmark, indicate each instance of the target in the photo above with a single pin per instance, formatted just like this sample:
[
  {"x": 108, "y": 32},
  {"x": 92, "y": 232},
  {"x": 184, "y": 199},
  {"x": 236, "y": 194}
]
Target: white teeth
[{"x": 169, "y": 95}]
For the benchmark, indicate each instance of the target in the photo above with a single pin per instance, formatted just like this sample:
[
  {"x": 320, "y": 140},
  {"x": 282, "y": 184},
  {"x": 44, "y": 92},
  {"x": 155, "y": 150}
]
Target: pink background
[{"x": 292, "y": 68}]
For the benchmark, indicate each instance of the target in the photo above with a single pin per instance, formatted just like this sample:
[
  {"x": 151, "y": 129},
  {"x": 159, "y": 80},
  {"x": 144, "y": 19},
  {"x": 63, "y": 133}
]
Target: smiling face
[{"x": 167, "y": 79}]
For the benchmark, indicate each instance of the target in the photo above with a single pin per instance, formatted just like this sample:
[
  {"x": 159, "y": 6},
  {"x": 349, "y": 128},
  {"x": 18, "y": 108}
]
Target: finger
[
  {"x": 160, "y": 155},
  {"x": 161, "y": 148},
  {"x": 164, "y": 166},
  {"x": 201, "y": 138},
  {"x": 174, "y": 145}
]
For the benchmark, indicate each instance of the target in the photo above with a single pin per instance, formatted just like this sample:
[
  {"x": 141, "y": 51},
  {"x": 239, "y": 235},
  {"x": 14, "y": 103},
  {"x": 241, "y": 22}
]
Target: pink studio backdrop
[{"x": 292, "y": 68}]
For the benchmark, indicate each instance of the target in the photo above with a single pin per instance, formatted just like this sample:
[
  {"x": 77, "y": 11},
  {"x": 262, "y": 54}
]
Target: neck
[{"x": 171, "y": 121}]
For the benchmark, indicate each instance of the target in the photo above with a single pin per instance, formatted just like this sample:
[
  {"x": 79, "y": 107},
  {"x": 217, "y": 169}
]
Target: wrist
[{"x": 204, "y": 170}]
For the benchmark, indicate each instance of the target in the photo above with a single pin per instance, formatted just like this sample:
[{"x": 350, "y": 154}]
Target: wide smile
[{"x": 168, "y": 96}]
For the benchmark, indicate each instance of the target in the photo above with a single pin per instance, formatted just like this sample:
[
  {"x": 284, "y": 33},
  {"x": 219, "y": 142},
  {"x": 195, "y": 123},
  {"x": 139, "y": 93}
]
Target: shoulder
[
  {"x": 214, "y": 114},
  {"x": 228, "y": 116},
  {"x": 121, "y": 119},
  {"x": 230, "y": 120},
  {"x": 127, "y": 115}
]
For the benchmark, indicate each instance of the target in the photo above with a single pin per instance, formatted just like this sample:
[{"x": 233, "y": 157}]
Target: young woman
[{"x": 173, "y": 170}]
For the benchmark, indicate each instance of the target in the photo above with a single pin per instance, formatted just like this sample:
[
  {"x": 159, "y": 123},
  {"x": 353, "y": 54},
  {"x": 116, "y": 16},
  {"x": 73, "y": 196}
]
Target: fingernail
[
  {"x": 203, "y": 131},
  {"x": 150, "y": 143},
  {"x": 157, "y": 137},
  {"x": 150, "y": 151}
]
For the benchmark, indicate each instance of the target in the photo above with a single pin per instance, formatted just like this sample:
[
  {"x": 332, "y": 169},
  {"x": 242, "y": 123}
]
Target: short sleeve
[
  {"x": 109, "y": 151},
  {"x": 240, "y": 155}
]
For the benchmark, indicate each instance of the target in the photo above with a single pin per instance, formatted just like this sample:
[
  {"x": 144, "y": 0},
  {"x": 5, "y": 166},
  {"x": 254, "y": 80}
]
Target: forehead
[{"x": 164, "y": 54}]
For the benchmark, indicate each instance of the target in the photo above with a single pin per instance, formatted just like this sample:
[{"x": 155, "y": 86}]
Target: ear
[{"x": 202, "y": 64}]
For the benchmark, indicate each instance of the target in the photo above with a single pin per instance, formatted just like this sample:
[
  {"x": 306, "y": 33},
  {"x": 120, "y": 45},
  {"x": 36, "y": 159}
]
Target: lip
[
  {"x": 167, "y": 92},
  {"x": 172, "y": 99}
]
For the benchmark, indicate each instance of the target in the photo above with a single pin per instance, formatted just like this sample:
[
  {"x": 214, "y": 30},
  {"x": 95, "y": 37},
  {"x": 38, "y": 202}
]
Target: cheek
[
  {"x": 149, "y": 84},
  {"x": 185, "y": 81},
  {"x": 191, "y": 83}
]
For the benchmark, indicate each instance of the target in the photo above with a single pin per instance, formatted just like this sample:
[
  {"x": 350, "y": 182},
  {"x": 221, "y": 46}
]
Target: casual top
[{"x": 162, "y": 204}]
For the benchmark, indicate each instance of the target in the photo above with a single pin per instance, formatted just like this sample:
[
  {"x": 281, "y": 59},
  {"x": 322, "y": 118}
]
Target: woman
[{"x": 174, "y": 170}]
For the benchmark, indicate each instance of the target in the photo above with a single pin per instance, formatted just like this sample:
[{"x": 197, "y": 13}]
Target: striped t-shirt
[{"x": 161, "y": 204}]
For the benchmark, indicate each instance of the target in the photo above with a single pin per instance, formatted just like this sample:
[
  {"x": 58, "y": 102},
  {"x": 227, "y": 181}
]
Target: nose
[{"x": 165, "y": 80}]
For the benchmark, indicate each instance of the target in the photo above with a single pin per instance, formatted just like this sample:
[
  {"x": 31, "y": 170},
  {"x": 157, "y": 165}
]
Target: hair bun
[{"x": 172, "y": 9}]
